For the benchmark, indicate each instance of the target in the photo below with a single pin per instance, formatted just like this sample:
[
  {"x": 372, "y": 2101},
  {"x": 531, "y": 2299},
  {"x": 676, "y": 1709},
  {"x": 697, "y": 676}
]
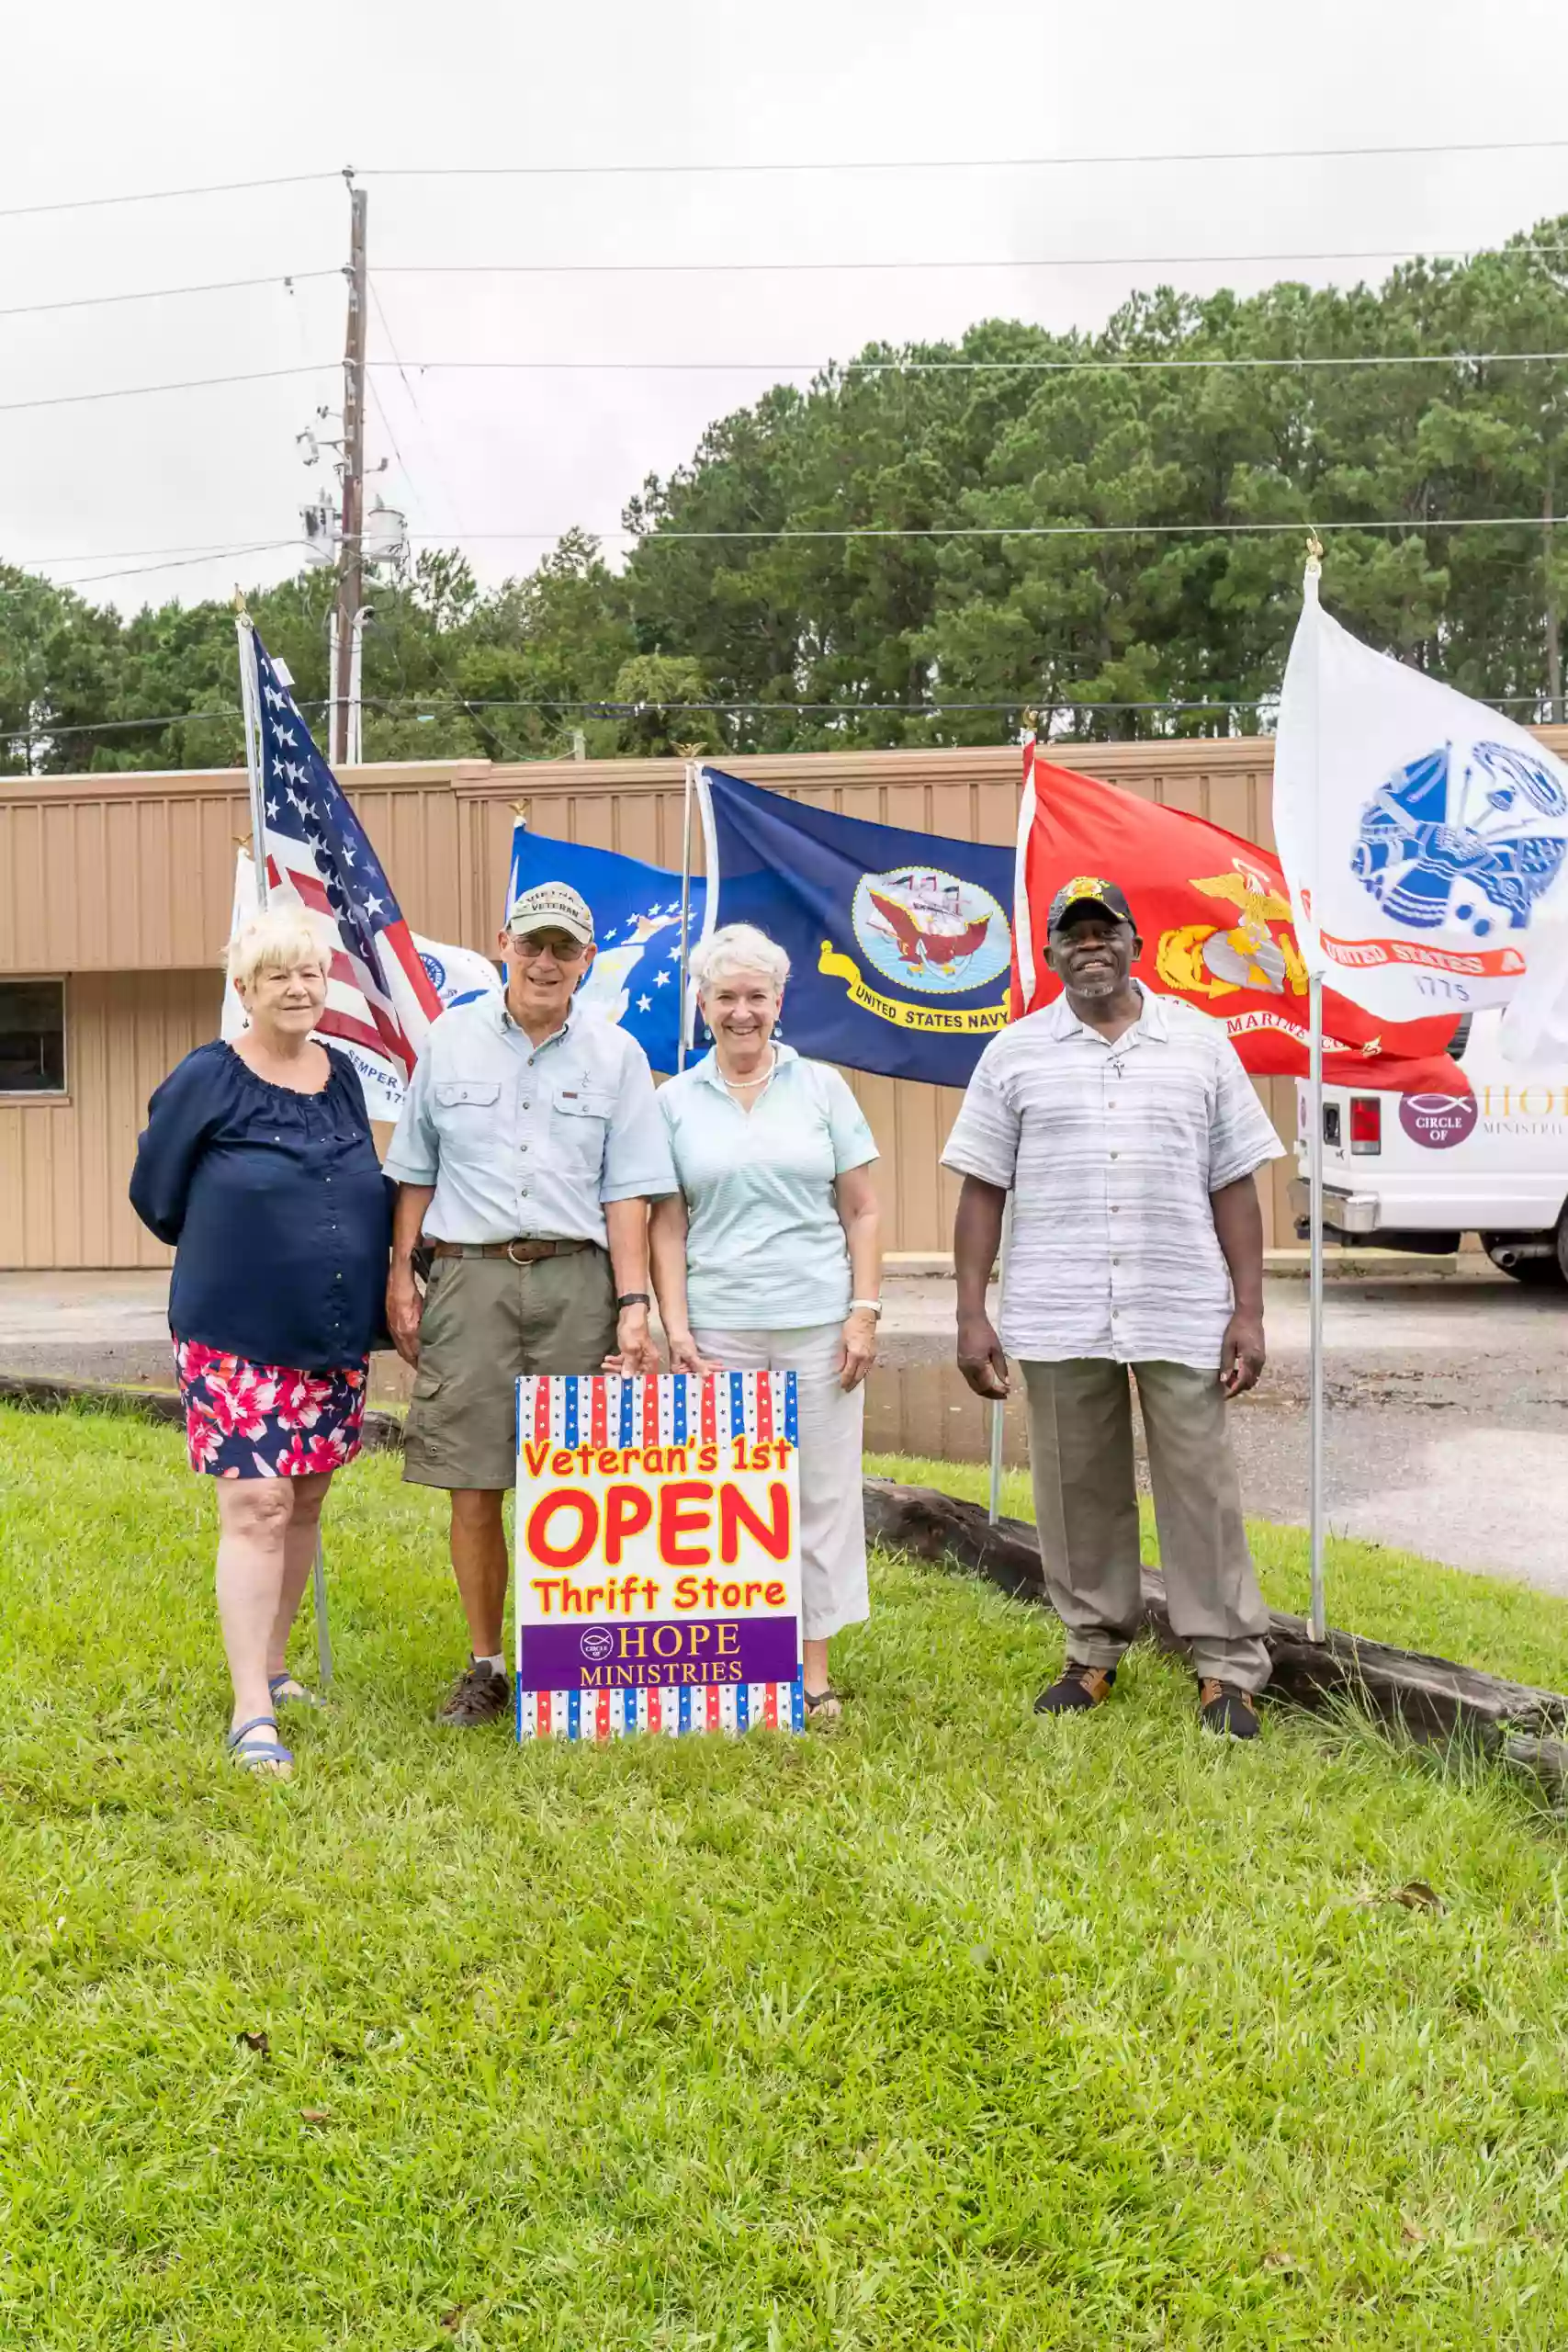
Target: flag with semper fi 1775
[{"x": 657, "y": 1580}]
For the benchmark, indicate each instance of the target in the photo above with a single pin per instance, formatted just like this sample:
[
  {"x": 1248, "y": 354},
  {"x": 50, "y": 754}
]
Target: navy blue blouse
[{"x": 278, "y": 1208}]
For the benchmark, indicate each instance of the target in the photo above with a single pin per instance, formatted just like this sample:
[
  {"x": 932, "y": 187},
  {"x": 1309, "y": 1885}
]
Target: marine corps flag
[{"x": 1214, "y": 914}]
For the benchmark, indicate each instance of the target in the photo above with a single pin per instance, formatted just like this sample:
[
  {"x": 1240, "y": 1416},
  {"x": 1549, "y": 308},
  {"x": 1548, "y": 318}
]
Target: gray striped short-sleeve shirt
[{"x": 1111, "y": 1152}]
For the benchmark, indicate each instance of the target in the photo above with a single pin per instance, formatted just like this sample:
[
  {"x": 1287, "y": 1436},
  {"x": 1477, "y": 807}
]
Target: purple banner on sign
[{"x": 660, "y": 1653}]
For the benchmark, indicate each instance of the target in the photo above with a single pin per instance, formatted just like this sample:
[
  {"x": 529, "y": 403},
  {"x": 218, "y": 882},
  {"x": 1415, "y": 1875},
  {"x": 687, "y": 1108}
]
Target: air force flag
[
  {"x": 635, "y": 979},
  {"x": 900, "y": 944}
]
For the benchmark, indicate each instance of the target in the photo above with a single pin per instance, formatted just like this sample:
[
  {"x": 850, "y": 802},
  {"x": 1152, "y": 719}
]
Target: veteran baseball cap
[
  {"x": 1089, "y": 891},
  {"x": 552, "y": 906}
]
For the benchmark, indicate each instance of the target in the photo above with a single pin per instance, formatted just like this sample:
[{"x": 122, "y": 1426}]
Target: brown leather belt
[{"x": 520, "y": 1252}]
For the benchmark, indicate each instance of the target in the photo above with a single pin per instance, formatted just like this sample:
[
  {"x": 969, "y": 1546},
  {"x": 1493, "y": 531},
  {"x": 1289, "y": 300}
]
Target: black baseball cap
[{"x": 1088, "y": 890}]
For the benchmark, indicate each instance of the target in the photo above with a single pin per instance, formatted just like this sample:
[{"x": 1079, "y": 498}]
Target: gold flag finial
[
  {"x": 689, "y": 750},
  {"x": 240, "y": 602},
  {"x": 1314, "y": 550}
]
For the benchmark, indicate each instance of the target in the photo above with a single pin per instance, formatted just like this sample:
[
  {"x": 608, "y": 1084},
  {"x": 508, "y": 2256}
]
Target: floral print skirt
[{"x": 266, "y": 1421}]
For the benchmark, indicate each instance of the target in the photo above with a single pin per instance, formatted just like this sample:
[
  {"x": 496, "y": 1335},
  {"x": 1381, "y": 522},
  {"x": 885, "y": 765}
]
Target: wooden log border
[{"x": 1430, "y": 1700}]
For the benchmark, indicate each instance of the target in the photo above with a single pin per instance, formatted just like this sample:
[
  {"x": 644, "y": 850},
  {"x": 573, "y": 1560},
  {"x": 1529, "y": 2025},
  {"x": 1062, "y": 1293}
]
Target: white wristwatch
[{"x": 867, "y": 1307}]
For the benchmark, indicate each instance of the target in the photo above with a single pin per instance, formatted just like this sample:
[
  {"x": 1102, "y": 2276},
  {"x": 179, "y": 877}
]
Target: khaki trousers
[
  {"x": 1086, "y": 1507},
  {"x": 486, "y": 1322}
]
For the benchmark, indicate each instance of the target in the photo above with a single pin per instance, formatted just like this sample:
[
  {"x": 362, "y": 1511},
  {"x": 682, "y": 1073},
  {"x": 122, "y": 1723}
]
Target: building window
[{"x": 32, "y": 1036}]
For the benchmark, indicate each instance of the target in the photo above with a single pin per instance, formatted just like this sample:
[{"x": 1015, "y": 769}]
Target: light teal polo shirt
[{"x": 765, "y": 1250}]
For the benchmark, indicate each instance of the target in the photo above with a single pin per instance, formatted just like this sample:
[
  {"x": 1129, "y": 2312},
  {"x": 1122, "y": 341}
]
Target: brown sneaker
[
  {"x": 478, "y": 1696},
  {"x": 1232, "y": 1713},
  {"x": 1075, "y": 1688}
]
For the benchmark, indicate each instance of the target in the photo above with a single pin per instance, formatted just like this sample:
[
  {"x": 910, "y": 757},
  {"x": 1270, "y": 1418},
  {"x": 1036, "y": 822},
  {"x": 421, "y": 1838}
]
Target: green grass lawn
[{"x": 954, "y": 2030}]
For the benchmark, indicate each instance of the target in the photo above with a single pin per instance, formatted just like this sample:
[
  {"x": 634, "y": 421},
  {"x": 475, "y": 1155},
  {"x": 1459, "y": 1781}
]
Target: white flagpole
[
  {"x": 999, "y": 1409},
  {"x": 686, "y": 906},
  {"x": 250, "y": 705},
  {"x": 1317, "y": 1625}
]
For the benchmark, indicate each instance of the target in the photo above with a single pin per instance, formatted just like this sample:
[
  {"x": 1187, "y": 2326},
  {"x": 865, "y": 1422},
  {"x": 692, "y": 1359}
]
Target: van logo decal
[{"x": 1438, "y": 1120}]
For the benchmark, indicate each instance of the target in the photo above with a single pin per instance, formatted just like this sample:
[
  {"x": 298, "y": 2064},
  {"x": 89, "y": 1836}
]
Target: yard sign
[{"x": 657, "y": 1555}]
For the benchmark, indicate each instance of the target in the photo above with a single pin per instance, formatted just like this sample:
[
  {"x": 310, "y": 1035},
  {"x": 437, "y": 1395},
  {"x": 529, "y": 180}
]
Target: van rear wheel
[{"x": 1550, "y": 1272}]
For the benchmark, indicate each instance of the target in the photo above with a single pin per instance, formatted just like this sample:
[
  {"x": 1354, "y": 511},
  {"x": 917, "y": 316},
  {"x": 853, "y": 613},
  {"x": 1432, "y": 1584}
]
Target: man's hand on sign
[
  {"x": 980, "y": 1357},
  {"x": 634, "y": 1342},
  {"x": 1242, "y": 1354},
  {"x": 859, "y": 1349},
  {"x": 405, "y": 1309}
]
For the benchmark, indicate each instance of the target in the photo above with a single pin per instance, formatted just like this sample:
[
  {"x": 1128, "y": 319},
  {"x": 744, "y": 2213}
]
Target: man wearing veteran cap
[
  {"x": 1128, "y": 1134},
  {"x": 529, "y": 1145}
]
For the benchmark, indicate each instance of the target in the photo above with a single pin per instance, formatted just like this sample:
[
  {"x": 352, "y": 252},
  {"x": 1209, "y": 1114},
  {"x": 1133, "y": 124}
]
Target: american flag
[{"x": 381, "y": 999}]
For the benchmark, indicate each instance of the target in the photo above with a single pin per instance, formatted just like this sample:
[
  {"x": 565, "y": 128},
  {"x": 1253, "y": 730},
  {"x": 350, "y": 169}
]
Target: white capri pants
[{"x": 833, "y": 1514}]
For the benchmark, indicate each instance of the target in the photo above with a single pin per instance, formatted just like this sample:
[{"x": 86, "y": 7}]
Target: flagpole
[
  {"x": 250, "y": 710},
  {"x": 999, "y": 1409},
  {"x": 250, "y": 705},
  {"x": 1317, "y": 1626},
  {"x": 1023, "y": 960},
  {"x": 685, "y": 904}
]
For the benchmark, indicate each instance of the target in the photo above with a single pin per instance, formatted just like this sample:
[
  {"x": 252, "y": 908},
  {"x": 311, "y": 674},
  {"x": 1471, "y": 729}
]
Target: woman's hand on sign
[
  {"x": 404, "y": 1309},
  {"x": 686, "y": 1356},
  {"x": 859, "y": 1348}
]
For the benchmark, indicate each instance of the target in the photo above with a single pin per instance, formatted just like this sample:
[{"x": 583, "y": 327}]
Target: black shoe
[
  {"x": 1076, "y": 1687},
  {"x": 1224, "y": 1709},
  {"x": 478, "y": 1696}
]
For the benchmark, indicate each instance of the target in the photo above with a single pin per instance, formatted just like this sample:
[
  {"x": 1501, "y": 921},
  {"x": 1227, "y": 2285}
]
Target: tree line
[{"x": 744, "y": 620}]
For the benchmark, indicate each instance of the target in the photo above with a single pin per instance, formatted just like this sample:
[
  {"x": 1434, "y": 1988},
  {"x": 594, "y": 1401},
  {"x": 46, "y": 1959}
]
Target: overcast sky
[{"x": 103, "y": 101}]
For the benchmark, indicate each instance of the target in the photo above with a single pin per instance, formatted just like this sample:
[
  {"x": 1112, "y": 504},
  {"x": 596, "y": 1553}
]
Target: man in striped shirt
[{"x": 1126, "y": 1130}]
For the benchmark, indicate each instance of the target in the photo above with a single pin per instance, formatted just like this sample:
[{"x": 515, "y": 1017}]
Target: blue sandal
[
  {"x": 283, "y": 1697},
  {"x": 268, "y": 1752}
]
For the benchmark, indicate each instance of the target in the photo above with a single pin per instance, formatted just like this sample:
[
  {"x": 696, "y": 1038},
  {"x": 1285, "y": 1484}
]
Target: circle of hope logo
[
  {"x": 597, "y": 1643},
  {"x": 929, "y": 929}
]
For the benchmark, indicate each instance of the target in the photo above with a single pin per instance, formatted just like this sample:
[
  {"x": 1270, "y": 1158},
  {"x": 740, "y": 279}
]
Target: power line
[
  {"x": 288, "y": 278},
  {"x": 901, "y": 367},
  {"x": 1030, "y": 698},
  {"x": 181, "y": 563},
  {"x": 1036, "y": 261},
  {"x": 183, "y": 384},
  {"x": 162, "y": 195},
  {"x": 1407, "y": 523},
  {"x": 895, "y": 367},
  {"x": 1040, "y": 530},
  {"x": 798, "y": 165}
]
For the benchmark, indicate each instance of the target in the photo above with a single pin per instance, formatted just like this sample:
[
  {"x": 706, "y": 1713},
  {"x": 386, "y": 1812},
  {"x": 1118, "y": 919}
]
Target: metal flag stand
[
  {"x": 250, "y": 704},
  {"x": 690, "y": 752},
  {"x": 1317, "y": 1614}
]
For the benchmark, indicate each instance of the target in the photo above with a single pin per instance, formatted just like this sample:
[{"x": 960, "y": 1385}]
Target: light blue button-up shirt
[
  {"x": 524, "y": 1140},
  {"x": 765, "y": 1248}
]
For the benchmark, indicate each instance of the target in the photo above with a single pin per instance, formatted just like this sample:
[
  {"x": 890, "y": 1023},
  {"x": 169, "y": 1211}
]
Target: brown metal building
[{"x": 115, "y": 896}]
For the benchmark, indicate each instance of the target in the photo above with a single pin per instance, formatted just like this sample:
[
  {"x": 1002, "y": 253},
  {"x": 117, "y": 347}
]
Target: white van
[{"x": 1418, "y": 1172}]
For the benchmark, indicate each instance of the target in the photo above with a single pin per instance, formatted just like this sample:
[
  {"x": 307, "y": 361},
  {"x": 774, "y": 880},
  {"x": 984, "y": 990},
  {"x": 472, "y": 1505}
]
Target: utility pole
[{"x": 351, "y": 561}]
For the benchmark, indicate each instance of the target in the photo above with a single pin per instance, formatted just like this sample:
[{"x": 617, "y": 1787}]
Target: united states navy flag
[{"x": 900, "y": 944}]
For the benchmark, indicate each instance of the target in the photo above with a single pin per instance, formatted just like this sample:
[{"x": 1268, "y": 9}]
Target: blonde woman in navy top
[{"x": 257, "y": 1163}]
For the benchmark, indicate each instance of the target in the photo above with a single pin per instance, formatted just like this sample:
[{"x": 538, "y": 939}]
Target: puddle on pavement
[{"x": 921, "y": 1408}]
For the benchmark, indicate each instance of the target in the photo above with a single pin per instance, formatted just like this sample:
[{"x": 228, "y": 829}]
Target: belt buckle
[{"x": 512, "y": 1249}]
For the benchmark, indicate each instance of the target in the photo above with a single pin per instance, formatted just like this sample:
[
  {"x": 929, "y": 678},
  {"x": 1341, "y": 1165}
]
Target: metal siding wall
[{"x": 64, "y": 1167}]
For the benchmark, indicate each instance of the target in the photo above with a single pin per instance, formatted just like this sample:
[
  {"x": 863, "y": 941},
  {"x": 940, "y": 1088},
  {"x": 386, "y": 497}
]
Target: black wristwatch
[{"x": 634, "y": 1298}]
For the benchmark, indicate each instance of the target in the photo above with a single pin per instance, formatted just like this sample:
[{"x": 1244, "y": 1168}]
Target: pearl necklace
[{"x": 740, "y": 1085}]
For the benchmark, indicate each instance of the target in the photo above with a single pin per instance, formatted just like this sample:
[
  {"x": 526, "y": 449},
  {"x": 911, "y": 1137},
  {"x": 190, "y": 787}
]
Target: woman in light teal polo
[{"x": 769, "y": 1255}]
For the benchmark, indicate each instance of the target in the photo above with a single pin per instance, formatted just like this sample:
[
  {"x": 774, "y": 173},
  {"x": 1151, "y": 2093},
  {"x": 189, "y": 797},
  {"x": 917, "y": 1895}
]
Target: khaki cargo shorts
[{"x": 487, "y": 1322}]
